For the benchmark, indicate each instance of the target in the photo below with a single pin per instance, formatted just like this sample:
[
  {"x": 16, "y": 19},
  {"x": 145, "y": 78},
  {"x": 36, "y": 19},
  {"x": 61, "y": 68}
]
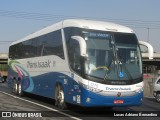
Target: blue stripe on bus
[{"x": 44, "y": 86}]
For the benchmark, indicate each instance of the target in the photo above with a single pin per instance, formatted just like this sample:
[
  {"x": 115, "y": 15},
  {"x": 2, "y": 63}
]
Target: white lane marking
[{"x": 49, "y": 108}]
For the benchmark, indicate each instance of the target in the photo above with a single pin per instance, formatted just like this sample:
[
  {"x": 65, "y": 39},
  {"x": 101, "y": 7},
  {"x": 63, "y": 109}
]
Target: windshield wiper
[
  {"x": 118, "y": 64},
  {"x": 106, "y": 75},
  {"x": 114, "y": 62}
]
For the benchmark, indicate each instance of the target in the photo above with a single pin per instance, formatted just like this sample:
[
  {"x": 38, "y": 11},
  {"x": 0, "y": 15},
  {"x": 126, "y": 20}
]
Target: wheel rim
[
  {"x": 19, "y": 89},
  {"x": 158, "y": 97},
  {"x": 16, "y": 88},
  {"x": 60, "y": 97}
]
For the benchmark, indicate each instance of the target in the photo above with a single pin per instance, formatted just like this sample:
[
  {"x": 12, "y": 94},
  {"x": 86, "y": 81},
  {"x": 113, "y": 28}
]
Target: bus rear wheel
[
  {"x": 15, "y": 88},
  {"x": 20, "y": 92},
  {"x": 60, "y": 97}
]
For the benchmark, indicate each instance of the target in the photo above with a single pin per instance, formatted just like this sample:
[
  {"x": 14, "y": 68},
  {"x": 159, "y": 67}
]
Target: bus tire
[
  {"x": 15, "y": 88},
  {"x": 60, "y": 97},
  {"x": 158, "y": 97},
  {"x": 20, "y": 92}
]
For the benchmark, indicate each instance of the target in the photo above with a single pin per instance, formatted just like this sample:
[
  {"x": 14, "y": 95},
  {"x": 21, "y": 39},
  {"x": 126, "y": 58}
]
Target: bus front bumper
[{"x": 99, "y": 100}]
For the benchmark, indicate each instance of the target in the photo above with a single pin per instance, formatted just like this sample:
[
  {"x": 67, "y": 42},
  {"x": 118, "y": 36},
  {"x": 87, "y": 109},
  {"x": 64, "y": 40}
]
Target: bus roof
[
  {"x": 88, "y": 24},
  {"x": 96, "y": 25}
]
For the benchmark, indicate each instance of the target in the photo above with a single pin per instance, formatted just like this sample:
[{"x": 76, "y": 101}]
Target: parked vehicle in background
[
  {"x": 4, "y": 70},
  {"x": 1, "y": 78},
  {"x": 156, "y": 91}
]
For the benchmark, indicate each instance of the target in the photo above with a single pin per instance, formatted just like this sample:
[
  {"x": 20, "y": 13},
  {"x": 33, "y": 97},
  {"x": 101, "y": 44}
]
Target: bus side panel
[
  {"x": 42, "y": 84},
  {"x": 45, "y": 84}
]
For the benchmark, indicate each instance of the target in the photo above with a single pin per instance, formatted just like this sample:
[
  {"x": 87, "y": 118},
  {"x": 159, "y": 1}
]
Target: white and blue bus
[{"x": 82, "y": 62}]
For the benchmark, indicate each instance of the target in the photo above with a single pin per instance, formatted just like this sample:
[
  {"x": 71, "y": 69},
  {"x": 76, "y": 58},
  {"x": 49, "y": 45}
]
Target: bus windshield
[{"x": 112, "y": 56}]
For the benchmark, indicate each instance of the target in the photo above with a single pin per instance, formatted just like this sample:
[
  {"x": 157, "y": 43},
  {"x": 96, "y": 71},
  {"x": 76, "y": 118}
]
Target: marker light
[{"x": 88, "y": 100}]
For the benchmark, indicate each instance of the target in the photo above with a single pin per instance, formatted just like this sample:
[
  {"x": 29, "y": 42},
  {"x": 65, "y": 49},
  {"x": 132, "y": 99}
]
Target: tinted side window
[
  {"x": 11, "y": 52},
  {"x": 72, "y": 31},
  {"x": 29, "y": 49},
  {"x": 51, "y": 44},
  {"x": 15, "y": 51},
  {"x": 74, "y": 55}
]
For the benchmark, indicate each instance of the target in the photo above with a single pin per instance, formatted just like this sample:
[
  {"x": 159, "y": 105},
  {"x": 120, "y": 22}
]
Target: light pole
[{"x": 148, "y": 34}]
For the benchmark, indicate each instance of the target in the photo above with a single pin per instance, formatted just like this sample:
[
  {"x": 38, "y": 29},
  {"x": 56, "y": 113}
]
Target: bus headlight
[{"x": 139, "y": 90}]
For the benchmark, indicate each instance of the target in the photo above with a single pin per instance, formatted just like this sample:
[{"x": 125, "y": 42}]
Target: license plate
[{"x": 118, "y": 101}]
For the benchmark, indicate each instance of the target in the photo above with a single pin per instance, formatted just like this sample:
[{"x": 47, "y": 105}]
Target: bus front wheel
[{"x": 60, "y": 97}]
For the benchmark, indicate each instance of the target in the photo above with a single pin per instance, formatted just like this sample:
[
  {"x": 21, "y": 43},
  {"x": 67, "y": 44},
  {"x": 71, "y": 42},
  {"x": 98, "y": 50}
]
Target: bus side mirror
[
  {"x": 82, "y": 44},
  {"x": 150, "y": 49}
]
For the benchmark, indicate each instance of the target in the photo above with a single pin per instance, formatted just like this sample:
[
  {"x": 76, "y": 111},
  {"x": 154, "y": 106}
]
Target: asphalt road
[{"x": 25, "y": 106}]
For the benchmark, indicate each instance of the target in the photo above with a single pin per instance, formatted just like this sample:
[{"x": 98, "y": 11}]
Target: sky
[{"x": 19, "y": 18}]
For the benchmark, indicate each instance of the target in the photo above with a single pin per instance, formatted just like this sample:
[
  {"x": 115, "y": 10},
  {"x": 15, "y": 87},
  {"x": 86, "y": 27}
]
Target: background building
[
  {"x": 3, "y": 64},
  {"x": 151, "y": 70}
]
